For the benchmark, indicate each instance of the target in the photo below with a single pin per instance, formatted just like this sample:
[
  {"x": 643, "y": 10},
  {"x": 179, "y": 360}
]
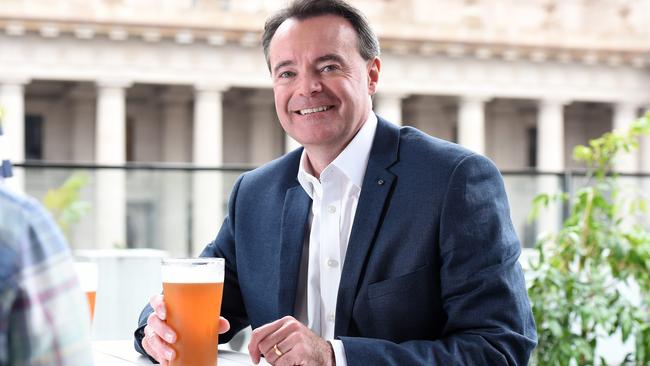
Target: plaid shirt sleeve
[{"x": 44, "y": 316}]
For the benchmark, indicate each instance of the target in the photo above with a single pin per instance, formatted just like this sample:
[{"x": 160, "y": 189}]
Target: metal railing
[{"x": 159, "y": 199}]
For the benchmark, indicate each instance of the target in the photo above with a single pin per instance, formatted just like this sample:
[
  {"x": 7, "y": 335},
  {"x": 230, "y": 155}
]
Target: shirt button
[
  {"x": 331, "y": 209},
  {"x": 332, "y": 263},
  {"x": 331, "y": 318}
]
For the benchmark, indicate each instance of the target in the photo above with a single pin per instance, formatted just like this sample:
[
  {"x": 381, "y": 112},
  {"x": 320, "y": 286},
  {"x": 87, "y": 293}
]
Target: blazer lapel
[
  {"x": 377, "y": 185},
  {"x": 294, "y": 221}
]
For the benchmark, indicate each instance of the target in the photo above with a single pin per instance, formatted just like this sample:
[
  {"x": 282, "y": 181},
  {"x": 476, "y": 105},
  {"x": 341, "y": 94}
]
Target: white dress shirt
[{"x": 334, "y": 203}]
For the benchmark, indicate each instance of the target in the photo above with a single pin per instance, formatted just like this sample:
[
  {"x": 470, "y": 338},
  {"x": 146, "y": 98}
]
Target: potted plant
[{"x": 582, "y": 275}]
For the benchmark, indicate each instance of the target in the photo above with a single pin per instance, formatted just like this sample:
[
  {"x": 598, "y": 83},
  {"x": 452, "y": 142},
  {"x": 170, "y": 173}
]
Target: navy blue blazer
[{"x": 430, "y": 276}]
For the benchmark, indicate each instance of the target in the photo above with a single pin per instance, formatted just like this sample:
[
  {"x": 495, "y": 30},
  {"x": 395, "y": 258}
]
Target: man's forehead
[{"x": 294, "y": 35}]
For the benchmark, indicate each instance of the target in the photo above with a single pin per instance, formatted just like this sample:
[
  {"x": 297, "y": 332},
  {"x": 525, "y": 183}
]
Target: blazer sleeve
[
  {"x": 489, "y": 319},
  {"x": 232, "y": 307}
]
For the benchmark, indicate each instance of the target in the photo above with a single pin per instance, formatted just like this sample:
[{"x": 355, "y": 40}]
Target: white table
[{"x": 121, "y": 353}]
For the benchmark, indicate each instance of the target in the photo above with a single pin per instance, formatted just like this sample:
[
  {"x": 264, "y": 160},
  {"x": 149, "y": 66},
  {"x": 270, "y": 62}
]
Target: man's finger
[
  {"x": 158, "y": 305},
  {"x": 161, "y": 328},
  {"x": 156, "y": 347},
  {"x": 161, "y": 348},
  {"x": 290, "y": 326},
  {"x": 259, "y": 334},
  {"x": 224, "y": 325},
  {"x": 284, "y": 348}
]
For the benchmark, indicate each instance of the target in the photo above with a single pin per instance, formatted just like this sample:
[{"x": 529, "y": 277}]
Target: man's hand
[
  {"x": 158, "y": 336},
  {"x": 288, "y": 342}
]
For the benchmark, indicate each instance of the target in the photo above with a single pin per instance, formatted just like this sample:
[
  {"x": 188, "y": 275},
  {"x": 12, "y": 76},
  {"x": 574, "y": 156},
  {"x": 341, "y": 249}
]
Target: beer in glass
[
  {"x": 192, "y": 290},
  {"x": 87, "y": 275}
]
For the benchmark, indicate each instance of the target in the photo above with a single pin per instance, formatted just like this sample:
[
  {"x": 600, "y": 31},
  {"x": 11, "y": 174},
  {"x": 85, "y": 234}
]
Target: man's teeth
[{"x": 313, "y": 110}]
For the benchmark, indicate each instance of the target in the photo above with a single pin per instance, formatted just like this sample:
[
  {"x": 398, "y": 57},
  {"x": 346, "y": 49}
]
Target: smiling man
[
  {"x": 372, "y": 244},
  {"x": 321, "y": 83}
]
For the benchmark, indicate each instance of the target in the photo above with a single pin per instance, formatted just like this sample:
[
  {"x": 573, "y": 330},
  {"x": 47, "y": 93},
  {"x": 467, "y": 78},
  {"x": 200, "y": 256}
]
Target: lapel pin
[{"x": 380, "y": 182}]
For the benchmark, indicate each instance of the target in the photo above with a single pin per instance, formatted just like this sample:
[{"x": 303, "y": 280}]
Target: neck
[{"x": 319, "y": 158}]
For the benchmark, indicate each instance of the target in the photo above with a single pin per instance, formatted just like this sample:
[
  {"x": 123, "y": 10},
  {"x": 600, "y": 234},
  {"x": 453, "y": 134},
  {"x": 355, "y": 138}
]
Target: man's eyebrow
[
  {"x": 330, "y": 57},
  {"x": 324, "y": 58},
  {"x": 281, "y": 65}
]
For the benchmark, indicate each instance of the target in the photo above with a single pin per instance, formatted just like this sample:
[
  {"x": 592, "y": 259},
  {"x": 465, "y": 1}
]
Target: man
[
  {"x": 44, "y": 317},
  {"x": 373, "y": 245}
]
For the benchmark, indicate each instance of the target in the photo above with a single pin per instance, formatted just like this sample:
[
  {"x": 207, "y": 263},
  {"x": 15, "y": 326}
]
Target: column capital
[
  {"x": 211, "y": 86},
  {"x": 475, "y": 98},
  {"x": 627, "y": 104},
  {"x": 113, "y": 83},
  {"x": 14, "y": 80},
  {"x": 554, "y": 102}
]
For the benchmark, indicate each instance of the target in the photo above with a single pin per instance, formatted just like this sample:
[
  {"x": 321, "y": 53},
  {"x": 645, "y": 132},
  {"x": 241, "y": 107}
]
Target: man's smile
[{"x": 308, "y": 111}]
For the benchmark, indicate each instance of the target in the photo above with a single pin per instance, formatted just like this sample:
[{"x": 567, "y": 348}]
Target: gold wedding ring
[{"x": 277, "y": 350}]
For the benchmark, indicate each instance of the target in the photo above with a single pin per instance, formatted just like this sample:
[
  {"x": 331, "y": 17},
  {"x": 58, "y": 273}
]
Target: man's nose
[{"x": 310, "y": 85}]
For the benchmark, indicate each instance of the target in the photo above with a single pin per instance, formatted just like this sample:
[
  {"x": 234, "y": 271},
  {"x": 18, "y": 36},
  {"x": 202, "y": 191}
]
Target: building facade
[{"x": 110, "y": 82}]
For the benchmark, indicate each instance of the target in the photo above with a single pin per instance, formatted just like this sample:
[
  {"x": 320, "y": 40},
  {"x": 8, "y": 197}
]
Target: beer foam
[{"x": 183, "y": 271}]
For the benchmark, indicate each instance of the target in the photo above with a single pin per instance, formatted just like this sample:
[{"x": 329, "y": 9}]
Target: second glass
[{"x": 87, "y": 275}]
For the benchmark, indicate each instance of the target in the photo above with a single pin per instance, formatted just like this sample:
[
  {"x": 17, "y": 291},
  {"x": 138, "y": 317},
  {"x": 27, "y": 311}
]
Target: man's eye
[
  {"x": 286, "y": 74},
  {"x": 329, "y": 68}
]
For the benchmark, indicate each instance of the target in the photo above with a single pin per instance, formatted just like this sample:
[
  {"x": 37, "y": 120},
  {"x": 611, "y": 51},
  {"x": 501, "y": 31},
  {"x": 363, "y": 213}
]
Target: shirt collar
[{"x": 352, "y": 161}]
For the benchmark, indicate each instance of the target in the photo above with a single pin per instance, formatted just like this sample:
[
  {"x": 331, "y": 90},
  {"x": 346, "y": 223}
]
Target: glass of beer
[
  {"x": 192, "y": 290},
  {"x": 87, "y": 275}
]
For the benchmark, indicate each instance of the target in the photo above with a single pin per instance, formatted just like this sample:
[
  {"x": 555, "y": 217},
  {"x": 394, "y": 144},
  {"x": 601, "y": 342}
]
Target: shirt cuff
[{"x": 339, "y": 352}]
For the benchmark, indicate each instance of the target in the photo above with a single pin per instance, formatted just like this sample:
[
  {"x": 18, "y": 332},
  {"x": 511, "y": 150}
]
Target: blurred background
[{"x": 158, "y": 105}]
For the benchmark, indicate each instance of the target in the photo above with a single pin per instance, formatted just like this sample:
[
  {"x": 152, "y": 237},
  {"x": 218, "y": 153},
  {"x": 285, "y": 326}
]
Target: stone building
[{"x": 110, "y": 82}]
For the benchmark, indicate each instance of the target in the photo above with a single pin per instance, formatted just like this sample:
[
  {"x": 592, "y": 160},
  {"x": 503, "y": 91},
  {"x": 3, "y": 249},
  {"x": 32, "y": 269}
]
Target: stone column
[
  {"x": 550, "y": 159},
  {"x": 110, "y": 149},
  {"x": 624, "y": 115},
  {"x": 550, "y": 136},
  {"x": 176, "y": 184},
  {"x": 389, "y": 106},
  {"x": 264, "y": 127},
  {"x": 12, "y": 101},
  {"x": 208, "y": 196},
  {"x": 471, "y": 123}
]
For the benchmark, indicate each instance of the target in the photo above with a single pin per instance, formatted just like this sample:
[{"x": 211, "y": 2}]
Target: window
[
  {"x": 33, "y": 137},
  {"x": 531, "y": 134},
  {"x": 130, "y": 139}
]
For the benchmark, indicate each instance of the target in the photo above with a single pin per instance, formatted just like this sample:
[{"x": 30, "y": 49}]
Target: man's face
[{"x": 322, "y": 85}]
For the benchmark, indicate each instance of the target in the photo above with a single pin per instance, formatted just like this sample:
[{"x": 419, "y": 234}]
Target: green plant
[
  {"x": 64, "y": 202},
  {"x": 579, "y": 282}
]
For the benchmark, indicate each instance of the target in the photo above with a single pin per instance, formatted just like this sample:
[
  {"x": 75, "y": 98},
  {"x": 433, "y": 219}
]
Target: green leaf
[{"x": 64, "y": 204}]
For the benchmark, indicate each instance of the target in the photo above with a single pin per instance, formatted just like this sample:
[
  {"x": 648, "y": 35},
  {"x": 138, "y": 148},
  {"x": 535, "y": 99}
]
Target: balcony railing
[{"x": 159, "y": 200}]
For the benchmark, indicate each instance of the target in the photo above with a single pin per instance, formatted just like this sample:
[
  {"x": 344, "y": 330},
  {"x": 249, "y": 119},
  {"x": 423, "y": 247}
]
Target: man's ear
[{"x": 374, "y": 67}]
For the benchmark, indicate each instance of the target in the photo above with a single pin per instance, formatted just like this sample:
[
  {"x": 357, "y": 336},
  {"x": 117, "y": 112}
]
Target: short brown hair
[{"x": 303, "y": 9}]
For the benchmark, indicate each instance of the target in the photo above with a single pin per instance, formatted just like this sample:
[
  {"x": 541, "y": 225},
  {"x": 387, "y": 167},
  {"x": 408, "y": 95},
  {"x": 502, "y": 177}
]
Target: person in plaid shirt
[{"x": 44, "y": 317}]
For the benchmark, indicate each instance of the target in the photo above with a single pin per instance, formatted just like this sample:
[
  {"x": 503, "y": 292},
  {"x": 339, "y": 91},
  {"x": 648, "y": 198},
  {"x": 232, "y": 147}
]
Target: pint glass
[
  {"x": 192, "y": 290},
  {"x": 87, "y": 274}
]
